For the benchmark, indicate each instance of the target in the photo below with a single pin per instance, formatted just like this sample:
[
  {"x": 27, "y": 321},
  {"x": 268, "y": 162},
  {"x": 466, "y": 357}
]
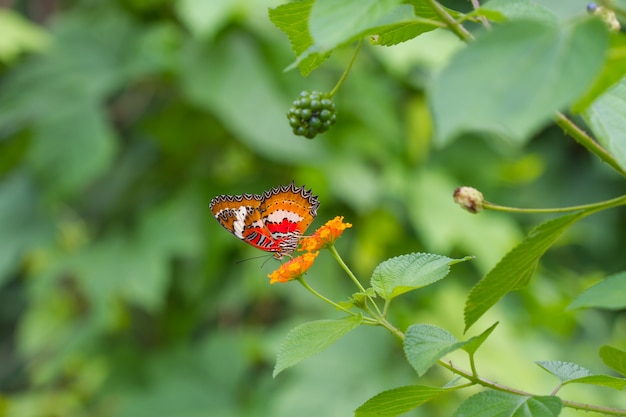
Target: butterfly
[{"x": 273, "y": 221}]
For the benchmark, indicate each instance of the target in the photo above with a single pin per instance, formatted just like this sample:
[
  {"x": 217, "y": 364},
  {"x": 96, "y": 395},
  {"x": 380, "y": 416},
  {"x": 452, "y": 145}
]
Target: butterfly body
[{"x": 273, "y": 221}]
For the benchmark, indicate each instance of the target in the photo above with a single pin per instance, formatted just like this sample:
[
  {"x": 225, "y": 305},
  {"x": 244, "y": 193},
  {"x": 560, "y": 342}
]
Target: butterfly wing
[
  {"x": 272, "y": 222},
  {"x": 240, "y": 215},
  {"x": 287, "y": 211}
]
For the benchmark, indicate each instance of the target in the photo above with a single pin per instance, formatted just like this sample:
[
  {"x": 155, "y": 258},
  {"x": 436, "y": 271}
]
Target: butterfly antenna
[{"x": 254, "y": 257}]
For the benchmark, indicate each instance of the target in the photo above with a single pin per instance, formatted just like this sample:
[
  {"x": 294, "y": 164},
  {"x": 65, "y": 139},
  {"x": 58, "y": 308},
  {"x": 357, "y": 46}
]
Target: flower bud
[{"x": 469, "y": 198}]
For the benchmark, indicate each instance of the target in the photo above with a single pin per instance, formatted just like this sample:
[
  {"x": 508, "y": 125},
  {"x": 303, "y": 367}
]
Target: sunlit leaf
[
  {"x": 496, "y": 403},
  {"x": 312, "y": 338},
  {"x": 404, "y": 273},
  {"x": 614, "y": 358},
  {"x": 516, "y": 268},
  {"x": 565, "y": 371},
  {"x": 18, "y": 35},
  {"x": 397, "y": 401},
  {"x": 472, "y": 345},
  {"x": 608, "y": 293}
]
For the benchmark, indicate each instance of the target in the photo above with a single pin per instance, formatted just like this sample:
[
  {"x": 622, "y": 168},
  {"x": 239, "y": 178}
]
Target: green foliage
[
  {"x": 605, "y": 115},
  {"x": 409, "y": 272},
  {"x": 425, "y": 344},
  {"x": 311, "y": 338},
  {"x": 529, "y": 76},
  {"x": 569, "y": 372},
  {"x": 493, "y": 403},
  {"x": 515, "y": 269},
  {"x": 19, "y": 36},
  {"x": 397, "y": 401},
  {"x": 606, "y": 294},
  {"x": 614, "y": 358},
  {"x": 120, "y": 120}
]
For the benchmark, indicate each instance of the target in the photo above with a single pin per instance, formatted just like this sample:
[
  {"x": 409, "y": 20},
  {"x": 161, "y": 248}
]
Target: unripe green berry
[{"x": 311, "y": 113}]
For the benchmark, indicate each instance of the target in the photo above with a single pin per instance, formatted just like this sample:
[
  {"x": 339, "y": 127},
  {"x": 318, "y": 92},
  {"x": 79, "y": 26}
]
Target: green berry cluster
[{"x": 311, "y": 113}]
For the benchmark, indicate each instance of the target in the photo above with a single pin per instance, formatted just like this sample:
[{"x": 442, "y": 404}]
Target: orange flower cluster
[
  {"x": 293, "y": 269},
  {"x": 323, "y": 237}
]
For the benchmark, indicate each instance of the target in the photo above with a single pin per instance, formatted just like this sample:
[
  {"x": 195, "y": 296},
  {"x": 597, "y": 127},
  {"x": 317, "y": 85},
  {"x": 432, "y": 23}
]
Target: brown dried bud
[{"x": 469, "y": 198}]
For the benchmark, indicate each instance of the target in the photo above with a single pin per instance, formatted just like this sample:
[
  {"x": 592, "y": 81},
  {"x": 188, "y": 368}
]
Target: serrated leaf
[
  {"x": 501, "y": 404},
  {"x": 516, "y": 267},
  {"x": 474, "y": 343},
  {"x": 606, "y": 118},
  {"x": 614, "y": 358},
  {"x": 517, "y": 10},
  {"x": 333, "y": 23},
  {"x": 605, "y": 294},
  {"x": 293, "y": 19},
  {"x": 535, "y": 68},
  {"x": 565, "y": 371},
  {"x": 404, "y": 273},
  {"x": 425, "y": 344},
  {"x": 312, "y": 338},
  {"x": 426, "y": 20},
  {"x": 397, "y": 401}
]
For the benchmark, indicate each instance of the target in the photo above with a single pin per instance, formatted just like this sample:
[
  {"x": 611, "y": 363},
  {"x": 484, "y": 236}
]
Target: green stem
[
  {"x": 593, "y": 206},
  {"x": 483, "y": 19},
  {"x": 383, "y": 322},
  {"x": 452, "y": 24},
  {"x": 498, "y": 387},
  {"x": 337, "y": 257},
  {"x": 321, "y": 297},
  {"x": 347, "y": 70},
  {"x": 354, "y": 279},
  {"x": 587, "y": 142}
]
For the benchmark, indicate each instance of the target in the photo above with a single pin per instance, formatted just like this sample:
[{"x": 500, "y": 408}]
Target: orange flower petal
[
  {"x": 325, "y": 236},
  {"x": 293, "y": 269}
]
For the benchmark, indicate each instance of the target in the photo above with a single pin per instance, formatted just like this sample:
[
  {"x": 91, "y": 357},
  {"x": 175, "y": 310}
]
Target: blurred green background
[{"x": 120, "y": 295}]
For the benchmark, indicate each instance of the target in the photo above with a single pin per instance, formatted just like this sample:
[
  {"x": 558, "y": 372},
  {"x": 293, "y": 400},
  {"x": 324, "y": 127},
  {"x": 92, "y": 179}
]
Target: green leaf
[
  {"x": 515, "y": 269},
  {"x": 614, "y": 358},
  {"x": 69, "y": 151},
  {"x": 23, "y": 224},
  {"x": 425, "y": 21},
  {"x": 397, "y": 401},
  {"x": 220, "y": 86},
  {"x": 311, "y": 338},
  {"x": 601, "y": 380},
  {"x": 18, "y": 35},
  {"x": 474, "y": 343},
  {"x": 517, "y": 10},
  {"x": 404, "y": 273},
  {"x": 565, "y": 371},
  {"x": 293, "y": 19},
  {"x": 501, "y": 404},
  {"x": 425, "y": 344},
  {"x": 613, "y": 71},
  {"x": 338, "y": 22},
  {"x": 605, "y": 294},
  {"x": 570, "y": 373},
  {"x": 606, "y": 117},
  {"x": 535, "y": 68}
]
